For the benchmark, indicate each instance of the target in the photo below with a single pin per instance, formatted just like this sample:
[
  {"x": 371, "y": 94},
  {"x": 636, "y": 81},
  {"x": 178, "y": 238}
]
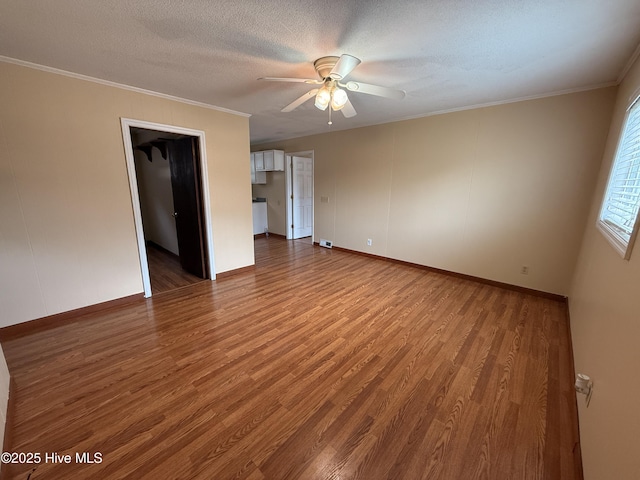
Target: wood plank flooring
[
  {"x": 318, "y": 364},
  {"x": 165, "y": 271}
]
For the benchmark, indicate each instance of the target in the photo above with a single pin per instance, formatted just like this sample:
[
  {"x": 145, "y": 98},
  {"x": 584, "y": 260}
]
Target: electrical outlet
[
  {"x": 524, "y": 270},
  {"x": 369, "y": 242}
]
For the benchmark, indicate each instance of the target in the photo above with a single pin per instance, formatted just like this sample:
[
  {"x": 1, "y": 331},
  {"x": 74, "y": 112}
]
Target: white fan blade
[
  {"x": 348, "y": 111},
  {"x": 344, "y": 66},
  {"x": 375, "y": 90},
  {"x": 299, "y": 101},
  {"x": 292, "y": 80}
]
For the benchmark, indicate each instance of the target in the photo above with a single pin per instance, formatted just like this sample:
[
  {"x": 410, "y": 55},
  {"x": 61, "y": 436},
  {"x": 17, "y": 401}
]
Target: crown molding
[
  {"x": 514, "y": 100},
  {"x": 122, "y": 86},
  {"x": 629, "y": 64},
  {"x": 444, "y": 112}
]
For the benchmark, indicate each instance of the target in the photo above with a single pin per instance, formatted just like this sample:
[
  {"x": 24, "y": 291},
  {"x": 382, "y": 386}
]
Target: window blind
[{"x": 622, "y": 199}]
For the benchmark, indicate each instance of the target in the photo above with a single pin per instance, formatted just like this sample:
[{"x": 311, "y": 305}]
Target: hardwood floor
[
  {"x": 318, "y": 364},
  {"x": 165, "y": 271}
]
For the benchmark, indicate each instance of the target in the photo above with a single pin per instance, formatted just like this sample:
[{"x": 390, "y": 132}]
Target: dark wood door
[{"x": 187, "y": 201}]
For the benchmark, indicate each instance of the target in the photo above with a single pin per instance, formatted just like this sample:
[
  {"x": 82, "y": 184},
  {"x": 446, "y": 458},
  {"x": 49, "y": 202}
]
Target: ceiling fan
[{"x": 332, "y": 94}]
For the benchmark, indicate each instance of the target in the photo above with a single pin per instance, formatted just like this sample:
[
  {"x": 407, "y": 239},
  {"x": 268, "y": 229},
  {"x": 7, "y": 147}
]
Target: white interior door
[{"x": 302, "y": 196}]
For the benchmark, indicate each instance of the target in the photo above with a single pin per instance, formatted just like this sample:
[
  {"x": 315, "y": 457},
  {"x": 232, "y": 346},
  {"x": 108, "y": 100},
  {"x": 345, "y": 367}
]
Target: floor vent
[{"x": 325, "y": 243}]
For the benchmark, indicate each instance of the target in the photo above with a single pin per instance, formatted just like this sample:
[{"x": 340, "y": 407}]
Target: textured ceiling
[{"x": 446, "y": 55}]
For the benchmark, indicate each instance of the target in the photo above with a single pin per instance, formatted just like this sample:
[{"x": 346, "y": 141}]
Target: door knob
[{"x": 174, "y": 214}]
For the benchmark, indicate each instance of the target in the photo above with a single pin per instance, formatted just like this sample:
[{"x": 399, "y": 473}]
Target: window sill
[{"x": 623, "y": 248}]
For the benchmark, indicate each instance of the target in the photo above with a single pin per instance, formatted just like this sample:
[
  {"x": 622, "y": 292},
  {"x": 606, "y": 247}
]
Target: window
[{"x": 619, "y": 213}]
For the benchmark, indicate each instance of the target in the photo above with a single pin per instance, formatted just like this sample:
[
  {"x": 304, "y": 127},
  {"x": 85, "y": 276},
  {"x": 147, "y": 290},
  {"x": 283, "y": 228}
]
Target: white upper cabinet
[
  {"x": 257, "y": 177},
  {"x": 269, "y": 161},
  {"x": 259, "y": 160}
]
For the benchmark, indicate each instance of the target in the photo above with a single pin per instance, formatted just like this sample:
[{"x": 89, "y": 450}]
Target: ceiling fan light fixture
[
  {"x": 331, "y": 92},
  {"x": 323, "y": 97},
  {"x": 338, "y": 99}
]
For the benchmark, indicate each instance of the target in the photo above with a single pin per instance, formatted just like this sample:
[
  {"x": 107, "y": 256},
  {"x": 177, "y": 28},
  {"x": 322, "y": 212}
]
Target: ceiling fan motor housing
[{"x": 324, "y": 65}]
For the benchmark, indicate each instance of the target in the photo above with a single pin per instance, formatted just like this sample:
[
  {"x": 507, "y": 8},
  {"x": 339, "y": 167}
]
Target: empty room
[{"x": 319, "y": 240}]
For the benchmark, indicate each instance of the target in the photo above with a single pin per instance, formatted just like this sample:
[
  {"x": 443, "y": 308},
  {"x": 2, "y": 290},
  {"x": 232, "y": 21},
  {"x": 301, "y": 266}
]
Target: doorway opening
[
  {"x": 170, "y": 199},
  {"x": 300, "y": 208}
]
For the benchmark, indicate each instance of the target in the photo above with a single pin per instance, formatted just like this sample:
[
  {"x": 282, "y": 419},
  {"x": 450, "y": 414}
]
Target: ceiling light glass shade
[
  {"x": 338, "y": 99},
  {"x": 323, "y": 98}
]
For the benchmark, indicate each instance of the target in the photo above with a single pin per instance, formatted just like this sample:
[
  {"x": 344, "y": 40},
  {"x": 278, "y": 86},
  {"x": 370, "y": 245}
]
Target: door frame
[
  {"x": 127, "y": 124},
  {"x": 289, "y": 186}
]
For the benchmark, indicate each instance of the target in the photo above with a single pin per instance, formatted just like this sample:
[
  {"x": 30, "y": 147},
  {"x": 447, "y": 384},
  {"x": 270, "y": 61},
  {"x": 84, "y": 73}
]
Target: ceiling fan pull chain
[{"x": 330, "y": 122}]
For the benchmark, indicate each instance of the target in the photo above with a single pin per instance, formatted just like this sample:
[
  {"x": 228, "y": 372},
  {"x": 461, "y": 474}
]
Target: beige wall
[
  {"x": 67, "y": 236},
  {"x": 604, "y": 303},
  {"x": 481, "y": 192}
]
